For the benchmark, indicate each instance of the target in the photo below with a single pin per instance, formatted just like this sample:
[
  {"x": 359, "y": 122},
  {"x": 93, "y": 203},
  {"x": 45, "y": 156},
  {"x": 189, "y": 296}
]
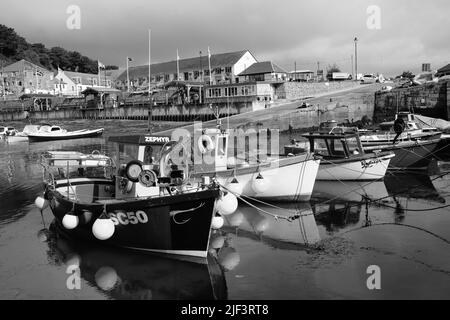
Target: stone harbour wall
[
  {"x": 430, "y": 100},
  {"x": 299, "y": 90}
]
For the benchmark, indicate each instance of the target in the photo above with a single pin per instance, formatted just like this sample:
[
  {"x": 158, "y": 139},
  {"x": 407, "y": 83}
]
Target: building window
[
  {"x": 166, "y": 77},
  {"x": 228, "y": 69},
  {"x": 218, "y": 70},
  {"x": 186, "y": 76},
  {"x": 206, "y": 72}
]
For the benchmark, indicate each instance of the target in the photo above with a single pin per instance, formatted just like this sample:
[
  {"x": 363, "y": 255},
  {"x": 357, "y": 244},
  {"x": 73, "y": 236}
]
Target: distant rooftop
[
  {"x": 262, "y": 68},
  {"x": 24, "y": 65},
  {"x": 445, "y": 69},
  {"x": 189, "y": 64}
]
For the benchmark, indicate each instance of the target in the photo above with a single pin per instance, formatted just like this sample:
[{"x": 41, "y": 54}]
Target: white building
[
  {"x": 225, "y": 68},
  {"x": 69, "y": 83}
]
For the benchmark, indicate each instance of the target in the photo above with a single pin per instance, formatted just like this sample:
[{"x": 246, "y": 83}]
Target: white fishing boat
[
  {"x": 276, "y": 178},
  {"x": 343, "y": 157},
  {"x": 414, "y": 130},
  {"x": 47, "y": 133}
]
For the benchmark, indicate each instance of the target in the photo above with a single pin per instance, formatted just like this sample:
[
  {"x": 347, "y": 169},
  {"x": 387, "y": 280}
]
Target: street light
[{"x": 356, "y": 57}]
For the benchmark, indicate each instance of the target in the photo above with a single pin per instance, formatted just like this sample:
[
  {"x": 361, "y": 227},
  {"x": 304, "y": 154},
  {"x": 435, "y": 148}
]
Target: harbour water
[{"x": 406, "y": 234}]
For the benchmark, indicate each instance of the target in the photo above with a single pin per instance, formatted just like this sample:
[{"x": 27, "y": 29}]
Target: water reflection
[
  {"x": 413, "y": 186},
  {"x": 120, "y": 274},
  {"x": 252, "y": 221}
]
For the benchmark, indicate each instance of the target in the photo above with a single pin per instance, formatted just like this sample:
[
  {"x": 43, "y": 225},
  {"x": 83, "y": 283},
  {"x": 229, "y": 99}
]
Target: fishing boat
[
  {"x": 268, "y": 177},
  {"x": 134, "y": 199},
  {"x": 343, "y": 157},
  {"x": 413, "y": 131},
  {"x": 52, "y": 132}
]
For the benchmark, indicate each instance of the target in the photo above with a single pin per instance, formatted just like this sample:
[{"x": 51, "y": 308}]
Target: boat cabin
[
  {"x": 148, "y": 163},
  {"x": 335, "y": 146},
  {"x": 50, "y": 128}
]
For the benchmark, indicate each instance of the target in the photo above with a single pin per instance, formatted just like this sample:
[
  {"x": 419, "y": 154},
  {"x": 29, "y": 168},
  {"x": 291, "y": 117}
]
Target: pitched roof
[
  {"x": 189, "y": 64},
  {"x": 24, "y": 65},
  {"x": 262, "y": 68},
  {"x": 86, "y": 77},
  {"x": 444, "y": 69}
]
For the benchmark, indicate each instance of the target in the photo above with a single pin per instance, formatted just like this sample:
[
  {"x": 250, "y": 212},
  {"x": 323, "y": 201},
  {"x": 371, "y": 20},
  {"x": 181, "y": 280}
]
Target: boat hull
[
  {"x": 410, "y": 155},
  {"x": 174, "y": 225},
  {"x": 36, "y": 137},
  {"x": 291, "y": 179},
  {"x": 364, "y": 169},
  {"x": 380, "y": 140}
]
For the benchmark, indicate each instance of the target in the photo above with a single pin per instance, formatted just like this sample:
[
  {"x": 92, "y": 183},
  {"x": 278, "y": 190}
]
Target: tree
[
  {"x": 408, "y": 75},
  {"x": 14, "y": 48},
  {"x": 331, "y": 70}
]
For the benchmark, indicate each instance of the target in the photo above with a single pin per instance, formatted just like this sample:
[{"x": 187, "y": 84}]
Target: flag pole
[
  {"x": 178, "y": 66},
  {"x": 128, "y": 78},
  {"x": 98, "y": 71},
  {"x": 150, "y": 115},
  {"x": 209, "y": 64}
]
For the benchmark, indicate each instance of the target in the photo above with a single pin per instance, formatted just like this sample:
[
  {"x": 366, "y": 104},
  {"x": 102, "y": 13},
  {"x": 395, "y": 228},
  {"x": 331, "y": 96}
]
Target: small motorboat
[
  {"x": 141, "y": 204},
  {"x": 52, "y": 132},
  {"x": 413, "y": 131},
  {"x": 343, "y": 157}
]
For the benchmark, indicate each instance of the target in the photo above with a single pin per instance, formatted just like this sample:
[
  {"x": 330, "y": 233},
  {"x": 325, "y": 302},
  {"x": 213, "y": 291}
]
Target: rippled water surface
[{"x": 254, "y": 256}]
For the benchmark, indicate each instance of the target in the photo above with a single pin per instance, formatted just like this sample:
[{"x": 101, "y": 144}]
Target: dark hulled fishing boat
[{"x": 144, "y": 204}]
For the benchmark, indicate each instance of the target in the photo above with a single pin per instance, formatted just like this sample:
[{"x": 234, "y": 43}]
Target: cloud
[{"x": 285, "y": 31}]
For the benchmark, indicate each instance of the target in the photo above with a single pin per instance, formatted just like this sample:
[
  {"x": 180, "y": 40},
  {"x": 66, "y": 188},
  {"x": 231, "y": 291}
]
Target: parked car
[{"x": 369, "y": 78}]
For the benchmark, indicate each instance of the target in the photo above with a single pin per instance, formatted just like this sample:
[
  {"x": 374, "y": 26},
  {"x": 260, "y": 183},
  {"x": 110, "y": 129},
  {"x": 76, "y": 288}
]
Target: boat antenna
[{"x": 217, "y": 115}]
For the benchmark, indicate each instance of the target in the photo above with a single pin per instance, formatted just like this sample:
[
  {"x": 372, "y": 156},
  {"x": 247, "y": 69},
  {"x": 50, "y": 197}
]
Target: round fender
[{"x": 205, "y": 144}]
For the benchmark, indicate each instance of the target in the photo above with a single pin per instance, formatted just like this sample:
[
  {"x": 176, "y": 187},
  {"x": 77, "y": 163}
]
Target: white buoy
[
  {"x": 106, "y": 278},
  {"x": 227, "y": 204},
  {"x": 260, "y": 184},
  {"x": 41, "y": 203},
  {"x": 103, "y": 228},
  {"x": 70, "y": 221},
  {"x": 235, "y": 187},
  {"x": 217, "y": 222}
]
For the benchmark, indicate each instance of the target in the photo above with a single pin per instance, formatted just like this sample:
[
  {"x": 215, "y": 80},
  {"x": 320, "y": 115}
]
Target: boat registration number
[
  {"x": 369, "y": 163},
  {"x": 125, "y": 218}
]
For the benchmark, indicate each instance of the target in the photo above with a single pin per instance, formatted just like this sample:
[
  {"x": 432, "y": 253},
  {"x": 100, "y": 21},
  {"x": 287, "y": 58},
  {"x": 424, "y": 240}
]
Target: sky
[{"x": 405, "y": 33}]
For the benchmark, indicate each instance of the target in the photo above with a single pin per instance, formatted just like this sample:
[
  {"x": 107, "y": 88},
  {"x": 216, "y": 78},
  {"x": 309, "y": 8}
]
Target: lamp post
[{"x": 356, "y": 57}]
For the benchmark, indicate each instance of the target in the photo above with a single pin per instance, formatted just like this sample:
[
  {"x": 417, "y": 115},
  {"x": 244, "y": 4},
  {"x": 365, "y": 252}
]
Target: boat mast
[{"x": 150, "y": 115}]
